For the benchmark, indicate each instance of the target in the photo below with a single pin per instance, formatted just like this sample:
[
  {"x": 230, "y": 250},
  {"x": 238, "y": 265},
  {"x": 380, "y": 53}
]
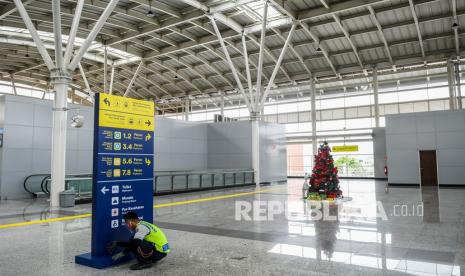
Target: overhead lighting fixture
[
  {"x": 455, "y": 25},
  {"x": 150, "y": 12},
  {"x": 318, "y": 49}
]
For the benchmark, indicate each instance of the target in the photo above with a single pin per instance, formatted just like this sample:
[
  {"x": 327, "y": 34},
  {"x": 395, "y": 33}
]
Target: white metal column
[
  {"x": 451, "y": 84},
  {"x": 458, "y": 88},
  {"x": 186, "y": 109},
  {"x": 105, "y": 69},
  {"x": 13, "y": 84},
  {"x": 222, "y": 106},
  {"x": 255, "y": 124},
  {"x": 375, "y": 95},
  {"x": 313, "y": 110},
  {"x": 60, "y": 80},
  {"x": 112, "y": 78}
]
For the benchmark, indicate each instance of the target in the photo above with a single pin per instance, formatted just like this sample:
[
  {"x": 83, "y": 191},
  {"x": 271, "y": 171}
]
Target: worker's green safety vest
[{"x": 157, "y": 237}]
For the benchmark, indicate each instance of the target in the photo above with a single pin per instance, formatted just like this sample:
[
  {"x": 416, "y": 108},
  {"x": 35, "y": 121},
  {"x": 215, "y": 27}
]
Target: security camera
[{"x": 77, "y": 121}]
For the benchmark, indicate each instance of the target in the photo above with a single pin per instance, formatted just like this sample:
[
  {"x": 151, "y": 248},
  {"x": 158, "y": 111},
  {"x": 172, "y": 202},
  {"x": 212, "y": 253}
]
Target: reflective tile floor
[{"x": 405, "y": 231}]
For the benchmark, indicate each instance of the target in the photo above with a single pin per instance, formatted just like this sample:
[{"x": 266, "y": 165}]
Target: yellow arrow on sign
[
  {"x": 148, "y": 162},
  {"x": 148, "y": 137}
]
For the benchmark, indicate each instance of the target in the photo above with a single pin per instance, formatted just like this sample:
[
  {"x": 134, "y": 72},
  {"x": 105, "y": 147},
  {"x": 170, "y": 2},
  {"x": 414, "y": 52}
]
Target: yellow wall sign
[
  {"x": 345, "y": 148},
  {"x": 122, "y": 112},
  {"x": 126, "y": 105}
]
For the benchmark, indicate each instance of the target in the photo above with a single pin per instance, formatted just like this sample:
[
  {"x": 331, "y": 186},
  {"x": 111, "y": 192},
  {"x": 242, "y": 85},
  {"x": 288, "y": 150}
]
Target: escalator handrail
[
  {"x": 25, "y": 181},
  {"x": 43, "y": 185}
]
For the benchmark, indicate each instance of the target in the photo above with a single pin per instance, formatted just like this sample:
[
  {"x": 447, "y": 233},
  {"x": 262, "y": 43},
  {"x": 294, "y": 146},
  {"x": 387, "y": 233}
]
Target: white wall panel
[{"x": 443, "y": 131}]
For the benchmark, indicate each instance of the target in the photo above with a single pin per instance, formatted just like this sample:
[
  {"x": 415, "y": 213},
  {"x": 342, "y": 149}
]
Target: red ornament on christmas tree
[{"x": 324, "y": 180}]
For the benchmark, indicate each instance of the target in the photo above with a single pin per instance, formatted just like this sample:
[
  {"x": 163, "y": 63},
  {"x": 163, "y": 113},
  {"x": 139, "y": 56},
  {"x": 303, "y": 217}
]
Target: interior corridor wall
[
  {"x": 443, "y": 131},
  {"x": 27, "y": 143},
  {"x": 179, "y": 145},
  {"x": 230, "y": 147}
]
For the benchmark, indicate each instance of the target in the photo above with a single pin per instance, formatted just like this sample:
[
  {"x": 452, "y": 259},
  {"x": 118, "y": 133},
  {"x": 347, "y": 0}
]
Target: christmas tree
[{"x": 324, "y": 182}]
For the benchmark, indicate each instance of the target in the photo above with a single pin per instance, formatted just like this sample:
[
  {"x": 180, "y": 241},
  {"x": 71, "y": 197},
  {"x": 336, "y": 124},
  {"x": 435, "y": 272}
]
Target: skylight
[
  {"x": 255, "y": 11},
  {"x": 49, "y": 37}
]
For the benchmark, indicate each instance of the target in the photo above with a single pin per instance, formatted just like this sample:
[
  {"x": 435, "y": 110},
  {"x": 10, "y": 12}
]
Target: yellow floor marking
[
  {"x": 212, "y": 198},
  {"x": 32, "y": 222}
]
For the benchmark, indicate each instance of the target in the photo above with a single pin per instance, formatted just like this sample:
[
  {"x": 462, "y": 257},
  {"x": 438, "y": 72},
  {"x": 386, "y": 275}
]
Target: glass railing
[
  {"x": 165, "y": 182},
  {"x": 181, "y": 181},
  {"x": 39, "y": 184}
]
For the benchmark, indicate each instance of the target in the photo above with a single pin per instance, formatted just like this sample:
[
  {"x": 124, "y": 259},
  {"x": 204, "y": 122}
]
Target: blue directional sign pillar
[{"x": 122, "y": 172}]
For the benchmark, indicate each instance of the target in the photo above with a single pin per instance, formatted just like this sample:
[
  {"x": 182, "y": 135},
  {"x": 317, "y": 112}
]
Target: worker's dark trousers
[{"x": 144, "y": 251}]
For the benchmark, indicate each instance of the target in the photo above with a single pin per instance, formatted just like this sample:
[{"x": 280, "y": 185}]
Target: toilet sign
[{"x": 122, "y": 171}]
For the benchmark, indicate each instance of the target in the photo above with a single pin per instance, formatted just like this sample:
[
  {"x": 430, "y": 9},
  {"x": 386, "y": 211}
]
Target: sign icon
[
  {"x": 148, "y": 137},
  {"x": 116, "y": 173},
  {"x": 147, "y": 161},
  {"x": 115, "y": 189},
  {"x": 106, "y": 101},
  {"x": 115, "y": 200},
  {"x": 148, "y": 123},
  {"x": 114, "y": 223},
  {"x": 114, "y": 212},
  {"x": 117, "y": 161},
  {"x": 104, "y": 190},
  {"x": 131, "y": 121},
  {"x": 117, "y": 146},
  {"x": 117, "y": 135}
]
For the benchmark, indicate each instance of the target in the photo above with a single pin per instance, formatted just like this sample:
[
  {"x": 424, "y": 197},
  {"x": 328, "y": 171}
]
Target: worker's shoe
[{"x": 140, "y": 266}]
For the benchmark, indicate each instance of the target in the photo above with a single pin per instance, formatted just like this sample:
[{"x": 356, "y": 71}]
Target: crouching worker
[{"x": 149, "y": 243}]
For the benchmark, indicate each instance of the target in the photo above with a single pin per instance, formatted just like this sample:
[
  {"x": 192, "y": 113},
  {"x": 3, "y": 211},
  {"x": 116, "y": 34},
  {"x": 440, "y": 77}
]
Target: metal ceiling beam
[
  {"x": 335, "y": 8},
  {"x": 35, "y": 36},
  {"x": 229, "y": 42},
  {"x": 128, "y": 89},
  {"x": 381, "y": 35},
  {"x": 73, "y": 32},
  {"x": 231, "y": 64},
  {"x": 10, "y": 8},
  {"x": 278, "y": 64},
  {"x": 93, "y": 33},
  {"x": 351, "y": 42},
  {"x": 193, "y": 70},
  {"x": 247, "y": 70},
  {"x": 56, "y": 15},
  {"x": 417, "y": 26},
  {"x": 149, "y": 80},
  {"x": 259, "y": 88},
  {"x": 176, "y": 73},
  {"x": 159, "y": 6},
  {"x": 291, "y": 48},
  {"x": 122, "y": 11},
  {"x": 86, "y": 83},
  {"x": 209, "y": 65},
  {"x": 322, "y": 47},
  {"x": 282, "y": 6},
  {"x": 313, "y": 13}
]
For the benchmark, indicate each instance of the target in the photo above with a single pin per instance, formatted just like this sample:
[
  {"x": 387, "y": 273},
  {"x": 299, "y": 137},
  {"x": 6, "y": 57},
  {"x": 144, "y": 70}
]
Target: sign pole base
[{"x": 100, "y": 262}]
